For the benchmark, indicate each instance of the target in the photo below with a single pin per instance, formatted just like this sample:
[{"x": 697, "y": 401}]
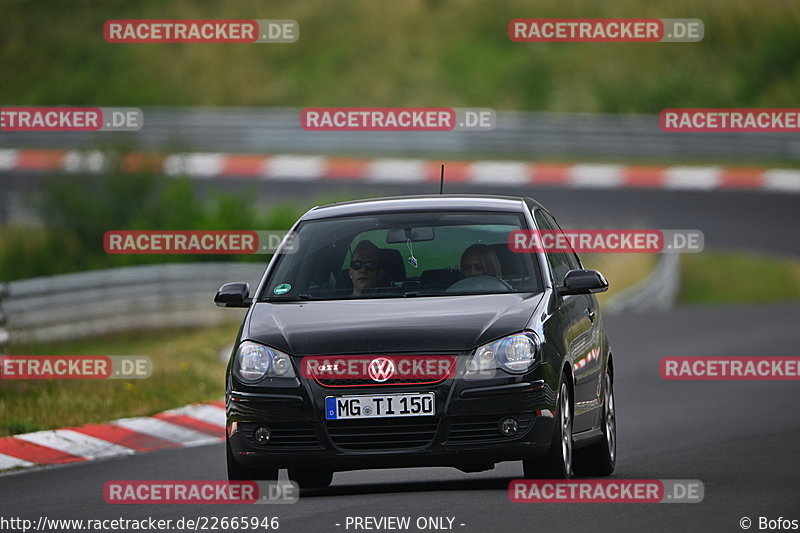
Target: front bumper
[{"x": 463, "y": 433}]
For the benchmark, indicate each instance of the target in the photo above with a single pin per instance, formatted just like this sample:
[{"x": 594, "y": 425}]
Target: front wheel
[
  {"x": 237, "y": 472},
  {"x": 557, "y": 463},
  {"x": 600, "y": 458}
]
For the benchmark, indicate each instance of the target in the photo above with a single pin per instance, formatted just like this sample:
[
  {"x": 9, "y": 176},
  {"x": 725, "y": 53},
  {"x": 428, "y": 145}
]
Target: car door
[
  {"x": 588, "y": 370},
  {"x": 575, "y": 324}
]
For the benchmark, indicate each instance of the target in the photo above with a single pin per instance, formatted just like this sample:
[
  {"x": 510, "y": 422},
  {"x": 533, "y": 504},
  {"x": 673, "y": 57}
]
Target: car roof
[{"x": 449, "y": 202}]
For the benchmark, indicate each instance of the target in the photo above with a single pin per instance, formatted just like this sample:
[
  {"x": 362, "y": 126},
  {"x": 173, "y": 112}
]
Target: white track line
[
  {"x": 604, "y": 176},
  {"x": 73, "y": 443},
  {"x": 8, "y": 159},
  {"x": 167, "y": 431},
  {"x": 499, "y": 172},
  {"x": 782, "y": 180},
  {"x": 396, "y": 170},
  {"x": 297, "y": 167},
  {"x": 6, "y": 462},
  {"x": 692, "y": 177},
  {"x": 200, "y": 165},
  {"x": 207, "y": 413}
]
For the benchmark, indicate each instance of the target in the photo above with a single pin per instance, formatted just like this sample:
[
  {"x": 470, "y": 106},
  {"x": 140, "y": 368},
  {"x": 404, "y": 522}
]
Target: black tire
[
  {"x": 600, "y": 458},
  {"x": 557, "y": 463},
  {"x": 237, "y": 472},
  {"x": 311, "y": 479}
]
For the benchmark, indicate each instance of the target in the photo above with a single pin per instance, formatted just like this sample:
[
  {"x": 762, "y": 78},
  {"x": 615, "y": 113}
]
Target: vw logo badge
[{"x": 381, "y": 369}]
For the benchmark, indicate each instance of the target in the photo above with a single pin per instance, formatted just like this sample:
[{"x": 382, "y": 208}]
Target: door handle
[{"x": 590, "y": 314}]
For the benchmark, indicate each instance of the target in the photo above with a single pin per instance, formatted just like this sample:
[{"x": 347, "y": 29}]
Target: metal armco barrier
[
  {"x": 657, "y": 292},
  {"x": 521, "y": 135},
  {"x": 98, "y": 302}
]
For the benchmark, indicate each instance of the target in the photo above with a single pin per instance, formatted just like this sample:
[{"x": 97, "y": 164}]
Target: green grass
[
  {"x": 621, "y": 270},
  {"x": 738, "y": 278},
  {"x": 409, "y": 53},
  {"x": 186, "y": 369}
]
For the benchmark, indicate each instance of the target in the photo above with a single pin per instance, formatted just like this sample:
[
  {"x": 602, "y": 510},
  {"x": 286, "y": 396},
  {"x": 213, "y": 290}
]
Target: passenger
[
  {"x": 365, "y": 268},
  {"x": 479, "y": 259}
]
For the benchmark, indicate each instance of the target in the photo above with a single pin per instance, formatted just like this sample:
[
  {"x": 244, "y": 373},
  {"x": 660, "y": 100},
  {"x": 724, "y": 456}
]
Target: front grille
[
  {"x": 468, "y": 430},
  {"x": 357, "y": 370},
  {"x": 370, "y": 383},
  {"x": 283, "y": 435},
  {"x": 389, "y": 434}
]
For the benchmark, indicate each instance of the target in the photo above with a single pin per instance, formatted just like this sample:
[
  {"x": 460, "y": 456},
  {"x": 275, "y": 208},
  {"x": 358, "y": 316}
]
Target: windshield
[{"x": 403, "y": 255}]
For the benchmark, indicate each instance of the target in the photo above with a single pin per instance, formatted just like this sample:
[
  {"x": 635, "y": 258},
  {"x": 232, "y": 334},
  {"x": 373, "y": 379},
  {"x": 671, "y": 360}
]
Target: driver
[
  {"x": 365, "y": 267},
  {"x": 479, "y": 259}
]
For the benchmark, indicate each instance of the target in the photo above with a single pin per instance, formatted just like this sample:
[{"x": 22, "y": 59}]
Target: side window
[
  {"x": 572, "y": 257},
  {"x": 559, "y": 262}
]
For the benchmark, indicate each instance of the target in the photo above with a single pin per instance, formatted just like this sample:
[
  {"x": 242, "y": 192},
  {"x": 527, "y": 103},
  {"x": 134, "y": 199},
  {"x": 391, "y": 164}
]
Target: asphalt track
[{"x": 738, "y": 437}]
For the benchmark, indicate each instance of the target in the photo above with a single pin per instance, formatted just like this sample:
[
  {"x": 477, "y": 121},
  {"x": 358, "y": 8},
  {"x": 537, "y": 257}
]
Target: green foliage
[
  {"x": 19, "y": 425},
  {"x": 738, "y": 277},
  {"x": 404, "y": 53},
  {"x": 77, "y": 213}
]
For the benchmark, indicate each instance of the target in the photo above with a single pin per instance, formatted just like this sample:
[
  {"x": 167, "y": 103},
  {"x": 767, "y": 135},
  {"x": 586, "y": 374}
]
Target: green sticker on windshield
[{"x": 283, "y": 288}]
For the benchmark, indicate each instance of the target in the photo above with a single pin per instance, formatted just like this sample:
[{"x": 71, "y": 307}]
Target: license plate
[{"x": 379, "y": 406}]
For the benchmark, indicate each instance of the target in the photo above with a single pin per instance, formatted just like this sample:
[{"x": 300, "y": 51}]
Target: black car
[{"x": 404, "y": 332}]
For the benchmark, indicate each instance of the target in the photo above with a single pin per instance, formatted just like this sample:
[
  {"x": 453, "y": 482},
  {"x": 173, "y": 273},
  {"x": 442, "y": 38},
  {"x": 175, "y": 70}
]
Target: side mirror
[
  {"x": 233, "y": 295},
  {"x": 583, "y": 282}
]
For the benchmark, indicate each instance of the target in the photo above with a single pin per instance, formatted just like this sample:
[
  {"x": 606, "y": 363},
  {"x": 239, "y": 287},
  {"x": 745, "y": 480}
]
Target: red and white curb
[
  {"x": 192, "y": 425},
  {"x": 405, "y": 171}
]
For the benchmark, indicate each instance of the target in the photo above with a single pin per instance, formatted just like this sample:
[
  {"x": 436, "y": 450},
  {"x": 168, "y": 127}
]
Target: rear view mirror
[
  {"x": 397, "y": 235},
  {"x": 233, "y": 295},
  {"x": 583, "y": 282}
]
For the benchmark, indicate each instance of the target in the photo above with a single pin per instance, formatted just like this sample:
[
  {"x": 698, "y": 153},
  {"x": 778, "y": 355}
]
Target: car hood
[{"x": 417, "y": 324}]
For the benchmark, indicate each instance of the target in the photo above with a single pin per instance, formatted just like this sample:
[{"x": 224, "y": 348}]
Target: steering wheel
[{"x": 479, "y": 283}]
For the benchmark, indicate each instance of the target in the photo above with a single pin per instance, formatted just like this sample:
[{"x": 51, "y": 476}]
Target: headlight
[
  {"x": 515, "y": 354},
  {"x": 255, "y": 361}
]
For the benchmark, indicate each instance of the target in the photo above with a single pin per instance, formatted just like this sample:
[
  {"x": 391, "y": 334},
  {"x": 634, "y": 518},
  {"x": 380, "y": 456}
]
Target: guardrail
[
  {"x": 657, "y": 292},
  {"x": 523, "y": 135},
  {"x": 98, "y": 302}
]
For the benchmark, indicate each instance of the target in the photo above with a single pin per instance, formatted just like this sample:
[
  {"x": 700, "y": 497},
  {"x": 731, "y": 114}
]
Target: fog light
[
  {"x": 261, "y": 434},
  {"x": 509, "y": 426}
]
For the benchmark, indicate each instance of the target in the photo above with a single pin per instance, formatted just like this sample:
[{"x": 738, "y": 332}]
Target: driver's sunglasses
[{"x": 369, "y": 265}]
